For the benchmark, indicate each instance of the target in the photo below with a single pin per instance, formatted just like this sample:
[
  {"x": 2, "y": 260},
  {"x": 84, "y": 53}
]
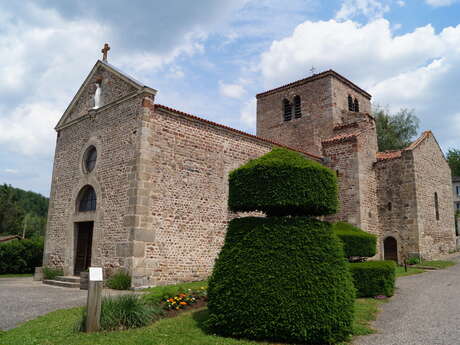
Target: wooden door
[
  {"x": 390, "y": 249},
  {"x": 84, "y": 246}
]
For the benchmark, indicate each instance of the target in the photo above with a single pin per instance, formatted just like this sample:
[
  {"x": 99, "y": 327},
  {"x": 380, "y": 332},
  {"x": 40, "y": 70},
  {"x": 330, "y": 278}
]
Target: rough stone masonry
[{"x": 154, "y": 201}]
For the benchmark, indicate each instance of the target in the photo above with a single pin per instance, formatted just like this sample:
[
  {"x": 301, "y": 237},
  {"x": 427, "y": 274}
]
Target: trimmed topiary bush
[
  {"x": 374, "y": 278},
  {"x": 283, "y": 182},
  {"x": 119, "y": 281},
  {"x": 282, "y": 278},
  {"x": 286, "y": 279},
  {"x": 356, "y": 242}
]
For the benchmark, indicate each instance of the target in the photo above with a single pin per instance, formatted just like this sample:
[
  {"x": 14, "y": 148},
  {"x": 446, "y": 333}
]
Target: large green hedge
[
  {"x": 21, "y": 256},
  {"x": 356, "y": 242},
  {"x": 281, "y": 279},
  {"x": 283, "y": 182},
  {"x": 374, "y": 278}
]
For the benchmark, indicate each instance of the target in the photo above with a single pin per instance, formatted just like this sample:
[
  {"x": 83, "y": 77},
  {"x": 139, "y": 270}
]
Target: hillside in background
[{"x": 22, "y": 212}]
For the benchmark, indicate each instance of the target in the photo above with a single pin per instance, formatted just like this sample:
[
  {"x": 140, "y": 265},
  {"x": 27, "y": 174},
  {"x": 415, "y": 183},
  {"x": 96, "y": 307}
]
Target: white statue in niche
[{"x": 98, "y": 96}]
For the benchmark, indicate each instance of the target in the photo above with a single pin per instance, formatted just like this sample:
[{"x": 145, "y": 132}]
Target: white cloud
[
  {"x": 401, "y": 3},
  {"x": 231, "y": 90},
  {"x": 248, "y": 113},
  {"x": 439, "y": 3},
  {"x": 419, "y": 69},
  {"x": 369, "y": 8}
]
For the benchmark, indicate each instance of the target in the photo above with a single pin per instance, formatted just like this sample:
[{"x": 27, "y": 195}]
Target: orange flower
[
  {"x": 170, "y": 300},
  {"x": 183, "y": 303},
  {"x": 182, "y": 295}
]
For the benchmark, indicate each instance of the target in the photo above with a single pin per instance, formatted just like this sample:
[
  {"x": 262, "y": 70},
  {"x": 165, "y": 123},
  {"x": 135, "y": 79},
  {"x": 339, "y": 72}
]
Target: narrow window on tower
[
  {"x": 287, "y": 108},
  {"x": 351, "y": 105},
  {"x": 436, "y": 205},
  {"x": 356, "y": 105},
  {"x": 297, "y": 107}
]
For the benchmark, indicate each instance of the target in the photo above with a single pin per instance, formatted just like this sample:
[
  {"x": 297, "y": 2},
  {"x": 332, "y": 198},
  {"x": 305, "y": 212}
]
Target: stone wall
[
  {"x": 304, "y": 133},
  {"x": 432, "y": 175},
  {"x": 397, "y": 203},
  {"x": 113, "y": 130}
]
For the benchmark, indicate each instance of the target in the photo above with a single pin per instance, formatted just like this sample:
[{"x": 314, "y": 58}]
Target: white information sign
[{"x": 95, "y": 274}]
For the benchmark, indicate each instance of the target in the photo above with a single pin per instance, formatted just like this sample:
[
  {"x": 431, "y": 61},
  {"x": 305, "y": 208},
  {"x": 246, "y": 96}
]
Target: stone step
[
  {"x": 70, "y": 279},
  {"x": 61, "y": 283}
]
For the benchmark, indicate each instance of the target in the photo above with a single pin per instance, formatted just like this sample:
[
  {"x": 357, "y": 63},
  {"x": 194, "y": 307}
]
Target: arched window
[
  {"x": 287, "y": 108},
  {"x": 351, "y": 105},
  {"x": 356, "y": 105},
  {"x": 389, "y": 206},
  {"x": 87, "y": 199},
  {"x": 436, "y": 205},
  {"x": 297, "y": 107},
  {"x": 90, "y": 158}
]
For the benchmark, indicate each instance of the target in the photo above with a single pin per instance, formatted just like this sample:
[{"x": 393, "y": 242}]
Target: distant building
[{"x": 456, "y": 190}]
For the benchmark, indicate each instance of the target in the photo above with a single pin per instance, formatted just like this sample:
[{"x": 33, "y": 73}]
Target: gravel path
[
  {"x": 424, "y": 311},
  {"x": 23, "y": 299}
]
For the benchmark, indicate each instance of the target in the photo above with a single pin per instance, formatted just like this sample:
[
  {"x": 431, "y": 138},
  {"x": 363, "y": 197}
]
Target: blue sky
[{"x": 210, "y": 58}]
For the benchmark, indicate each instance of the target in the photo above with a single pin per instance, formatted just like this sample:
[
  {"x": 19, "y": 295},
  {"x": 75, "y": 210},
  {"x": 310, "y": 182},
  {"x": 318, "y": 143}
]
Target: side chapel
[{"x": 142, "y": 187}]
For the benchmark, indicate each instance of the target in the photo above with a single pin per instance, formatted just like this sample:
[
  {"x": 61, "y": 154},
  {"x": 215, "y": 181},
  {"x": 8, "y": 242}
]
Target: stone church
[{"x": 142, "y": 187}]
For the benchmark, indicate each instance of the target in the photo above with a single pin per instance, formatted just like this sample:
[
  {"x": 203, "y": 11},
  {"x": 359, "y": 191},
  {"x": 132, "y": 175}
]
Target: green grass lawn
[
  {"x": 16, "y": 275},
  {"x": 440, "y": 264},
  {"x": 400, "y": 272},
  {"x": 58, "y": 328}
]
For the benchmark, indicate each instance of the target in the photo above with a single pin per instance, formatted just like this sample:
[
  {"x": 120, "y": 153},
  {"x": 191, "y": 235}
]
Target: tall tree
[
  {"x": 394, "y": 132},
  {"x": 453, "y": 158}
]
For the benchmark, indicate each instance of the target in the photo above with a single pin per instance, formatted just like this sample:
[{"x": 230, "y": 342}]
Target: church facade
[{"x": 143, "y": 187}]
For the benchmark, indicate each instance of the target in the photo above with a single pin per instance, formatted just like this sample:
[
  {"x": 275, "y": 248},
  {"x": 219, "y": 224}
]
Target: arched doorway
[
  {"x": 86, "y": 202},
  {"x": 390, "y": 249}
]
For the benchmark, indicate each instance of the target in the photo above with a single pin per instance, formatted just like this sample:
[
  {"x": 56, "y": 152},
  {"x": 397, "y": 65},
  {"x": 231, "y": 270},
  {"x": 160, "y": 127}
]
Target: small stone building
[{"x": 143, "y": 187}]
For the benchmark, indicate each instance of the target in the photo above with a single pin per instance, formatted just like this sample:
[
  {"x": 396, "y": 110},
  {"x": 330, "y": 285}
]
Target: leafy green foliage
[
  {"x": 356, "y": 242},
  {"x": 119, "y": 281},
  {"x": 395, "y": 132},
  {"x": 283, "y": 182},
  {"x": 124, "y": 312},
  {"x": 453, "y": 158},
  {"x": 413, "y": 261},
  {"x": 21, "y": 256},
  {"x": 52, "y": 273},
  {"x": 374, "y": 278},
  {"x": 22, "y": 211},
  {"x": 283, "y": 279}
]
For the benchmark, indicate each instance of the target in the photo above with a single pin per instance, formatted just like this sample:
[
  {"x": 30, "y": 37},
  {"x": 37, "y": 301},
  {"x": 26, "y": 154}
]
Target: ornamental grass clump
[
  {"x": 125, "y": 312},
  {"x": 282, "y": 277}
]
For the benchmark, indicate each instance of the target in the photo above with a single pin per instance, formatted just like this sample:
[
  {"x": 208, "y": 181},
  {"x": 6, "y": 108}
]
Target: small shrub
[
  {"x": 413, "y": 261},
  {"x": 356, "y": 242},
  {"x": 119, "y": 281},
  {"x": 21, "y": 256},
  {"x": 374, "y": 278},
  {"x": 283, "y": 182},
  {"x": 52, "y": 273},
  {"x": 124, "y": 312}
]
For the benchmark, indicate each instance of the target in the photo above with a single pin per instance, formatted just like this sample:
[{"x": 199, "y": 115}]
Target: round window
[{"x": 90, "y": 158}]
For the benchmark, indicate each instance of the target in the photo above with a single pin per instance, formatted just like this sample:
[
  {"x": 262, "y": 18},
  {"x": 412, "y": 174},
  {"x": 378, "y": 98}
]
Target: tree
[
  {"x": 453, "y": 158},
  {"x": 395, "y": 132}
]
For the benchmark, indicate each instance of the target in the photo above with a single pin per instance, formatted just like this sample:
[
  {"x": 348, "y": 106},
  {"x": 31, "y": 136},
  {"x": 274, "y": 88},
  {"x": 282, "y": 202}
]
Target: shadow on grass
[{"x": 200, "y": 317}]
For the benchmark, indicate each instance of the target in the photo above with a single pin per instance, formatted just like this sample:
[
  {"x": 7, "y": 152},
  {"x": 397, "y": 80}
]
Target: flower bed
[{"x": 185, "y": 300}]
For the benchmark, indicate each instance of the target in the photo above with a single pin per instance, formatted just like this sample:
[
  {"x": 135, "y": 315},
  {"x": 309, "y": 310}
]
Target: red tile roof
[
  {"x": 193, "y": 117},
  {"x": 388, "y": 155},
  {"x": 341, "y": 138},
  {"x": 315, "y": 77}
]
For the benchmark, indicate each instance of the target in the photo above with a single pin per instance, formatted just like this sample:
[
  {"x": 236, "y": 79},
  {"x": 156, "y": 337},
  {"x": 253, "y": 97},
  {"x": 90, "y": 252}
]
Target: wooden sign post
[{"x": 93, "y": 306}]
